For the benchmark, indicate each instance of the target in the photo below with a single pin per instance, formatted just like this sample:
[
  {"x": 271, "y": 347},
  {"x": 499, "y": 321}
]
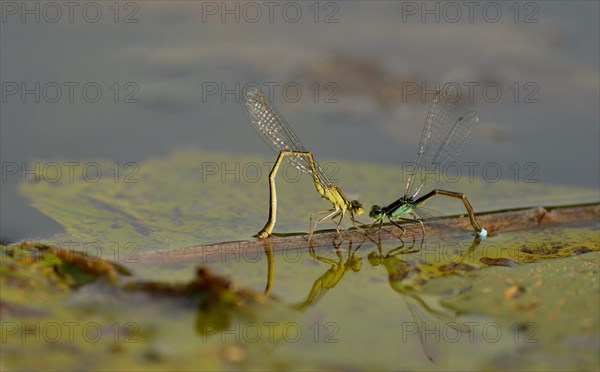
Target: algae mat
[
  {"x": 434, "y": 304},
  {"x": 194, "y": 197},
  {"x": 525, "y": 298}
]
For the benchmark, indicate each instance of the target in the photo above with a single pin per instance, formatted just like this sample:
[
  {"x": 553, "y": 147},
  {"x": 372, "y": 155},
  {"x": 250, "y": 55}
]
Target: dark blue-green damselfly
[{"x": 444, "y": 136}]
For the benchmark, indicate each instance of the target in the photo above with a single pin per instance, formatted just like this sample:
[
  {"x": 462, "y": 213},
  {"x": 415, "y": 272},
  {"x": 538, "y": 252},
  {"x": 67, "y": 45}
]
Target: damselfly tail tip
[{"x": 262, "y": 234}]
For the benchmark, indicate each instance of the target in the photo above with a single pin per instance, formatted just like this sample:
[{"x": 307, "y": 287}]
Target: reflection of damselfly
[
  {"x": 444, "y": 136},
  {"x": 335, "y": 273},
  {"x": 275, "y": 131},
  {"x": 429, "y": 325}
]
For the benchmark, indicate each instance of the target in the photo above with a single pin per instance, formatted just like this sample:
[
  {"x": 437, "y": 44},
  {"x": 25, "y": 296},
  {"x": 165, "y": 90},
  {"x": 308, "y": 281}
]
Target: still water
[{"x": 122, "y": 132}]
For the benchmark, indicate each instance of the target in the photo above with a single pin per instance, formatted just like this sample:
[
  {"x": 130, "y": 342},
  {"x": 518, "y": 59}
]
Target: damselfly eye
[
  {"x": 357, "y": 207},
  {"x": 376, "y": 212},
  {"x": 355, "y": 263}
]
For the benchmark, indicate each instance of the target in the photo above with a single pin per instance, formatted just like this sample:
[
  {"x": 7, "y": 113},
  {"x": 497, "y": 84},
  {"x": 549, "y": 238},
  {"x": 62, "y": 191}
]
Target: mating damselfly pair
[{"x": 444, "y": 137}]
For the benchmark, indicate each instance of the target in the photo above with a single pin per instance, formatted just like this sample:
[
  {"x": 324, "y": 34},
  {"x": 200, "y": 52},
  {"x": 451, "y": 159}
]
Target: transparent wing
[
  {"x": 444, "y": 136},
  {"x": 429, "y": 330},
  {"x": 275, "y": 131}
]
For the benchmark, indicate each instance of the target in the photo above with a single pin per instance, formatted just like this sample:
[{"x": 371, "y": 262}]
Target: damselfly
[
  {"x": 275, "y": 131},
  {"x": 444, "y": 136}
]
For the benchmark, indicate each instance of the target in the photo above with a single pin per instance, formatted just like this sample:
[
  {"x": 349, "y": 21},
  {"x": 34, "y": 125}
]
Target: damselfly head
[
  {"x": 356, "y": 207},
  {"x": 376, "y": 213},
  {"x": 355, "y": 263},
  {"x": 374, "y": 259}
]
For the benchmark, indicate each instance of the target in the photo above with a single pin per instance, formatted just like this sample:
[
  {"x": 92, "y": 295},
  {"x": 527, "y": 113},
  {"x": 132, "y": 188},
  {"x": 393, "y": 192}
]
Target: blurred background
[{"x": 132, "y": 80}]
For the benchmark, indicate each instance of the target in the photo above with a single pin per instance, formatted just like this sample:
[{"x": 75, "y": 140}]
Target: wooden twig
[{"x": 494, "y": 222}]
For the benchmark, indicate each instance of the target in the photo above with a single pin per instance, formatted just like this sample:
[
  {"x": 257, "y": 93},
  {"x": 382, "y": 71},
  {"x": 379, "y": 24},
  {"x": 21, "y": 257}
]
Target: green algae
[
  {"x": 194, "y": 197},
  {"x": 524, "y": 299}
]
